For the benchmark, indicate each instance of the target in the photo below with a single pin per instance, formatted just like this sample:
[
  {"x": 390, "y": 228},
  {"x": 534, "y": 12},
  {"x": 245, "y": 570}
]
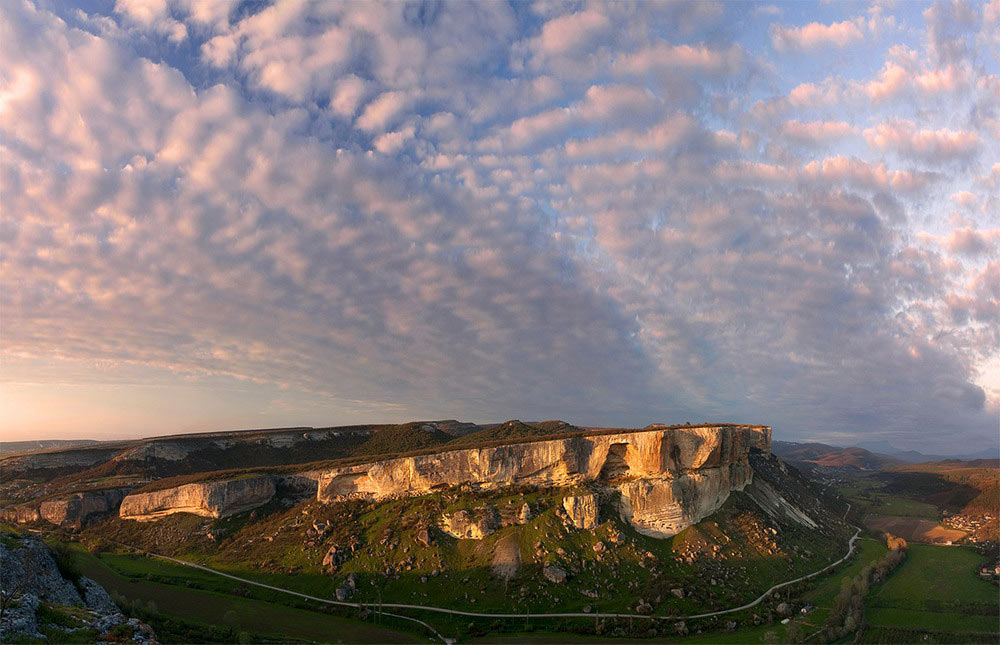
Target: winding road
[{"x": 474, "y": 614}]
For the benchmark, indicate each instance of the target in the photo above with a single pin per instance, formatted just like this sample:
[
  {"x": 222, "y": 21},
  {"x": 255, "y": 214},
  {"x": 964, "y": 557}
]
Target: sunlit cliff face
[{"x": 224, "y": 215}]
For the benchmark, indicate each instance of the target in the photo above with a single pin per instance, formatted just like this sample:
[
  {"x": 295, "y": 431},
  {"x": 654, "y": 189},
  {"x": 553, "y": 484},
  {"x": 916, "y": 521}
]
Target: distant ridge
[
  {"x": 11, "y": 447},
  {"x": 821, "y": 454}
]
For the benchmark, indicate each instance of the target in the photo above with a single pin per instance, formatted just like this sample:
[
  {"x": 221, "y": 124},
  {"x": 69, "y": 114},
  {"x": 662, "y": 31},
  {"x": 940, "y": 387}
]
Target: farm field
[
  {"x": 936, "y": 591},
  {"x": 913, "y": 529}
]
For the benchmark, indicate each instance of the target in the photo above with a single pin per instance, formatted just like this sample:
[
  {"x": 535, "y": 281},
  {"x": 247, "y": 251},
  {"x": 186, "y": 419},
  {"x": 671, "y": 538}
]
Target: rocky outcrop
[
  {"x": 208, "y": 499},
  {"x": 21, "y": 514},
  {"x": 73, "y": 510},
  {"x": 30, "y": 576},
  {"x": 581, "y": 510},
  {"x": 668, "y": 477},
  {"x": 664, "y": 506},
  {"x": 471, "y": 526},
  {"x": 77, "y": 509}
]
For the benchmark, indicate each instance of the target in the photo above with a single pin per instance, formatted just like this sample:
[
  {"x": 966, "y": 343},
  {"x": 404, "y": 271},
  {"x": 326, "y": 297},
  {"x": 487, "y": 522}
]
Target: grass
[
  {"x": 821, "y": 596},
  {"x": 936, "y": 588},
  {"x": 895, "y": 505},
  {"x": 211, "y": 607}
]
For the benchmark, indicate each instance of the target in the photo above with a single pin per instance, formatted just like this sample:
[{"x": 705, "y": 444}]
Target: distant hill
[
  {"x": 403, "y": 438},
  {"x": 915, "y": 457},
  {"x": 821, "y": 454},
  {"x": 515, "y": 429},
  {"x": 11, "y": 447}
]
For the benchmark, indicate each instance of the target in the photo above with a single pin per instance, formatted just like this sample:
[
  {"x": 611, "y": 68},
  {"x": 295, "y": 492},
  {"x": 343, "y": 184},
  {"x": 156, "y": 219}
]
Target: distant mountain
[
  {"x": 822, "y": 454},
  {"x": 915, "y": 457}
]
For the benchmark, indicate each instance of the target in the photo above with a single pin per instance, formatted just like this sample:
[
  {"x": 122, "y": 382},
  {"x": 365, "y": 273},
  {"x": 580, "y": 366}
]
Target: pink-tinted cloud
[
  {"x": 907, "y": 139},
  {"x": 815, "y": 35},
  {"x": 664, "y": 57},
  {"x": 572, "y": 32},
  {"x": 817, "y": 131}
]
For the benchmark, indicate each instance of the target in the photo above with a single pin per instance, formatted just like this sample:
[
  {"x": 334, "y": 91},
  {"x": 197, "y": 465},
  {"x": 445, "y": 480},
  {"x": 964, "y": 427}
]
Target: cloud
[
  {"x": 815, "y": 35},
  {"x": 664, "y": 57},
  {"x": 572, "y": 32},
  {"x": 464, "y": 209},
  {"x": 906, "y": 139},
  {"x": 816, "y": 132}
]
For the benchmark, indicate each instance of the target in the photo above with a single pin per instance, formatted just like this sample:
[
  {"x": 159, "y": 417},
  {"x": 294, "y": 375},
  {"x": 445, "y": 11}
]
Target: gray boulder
[{"x": 554, "y": 574}]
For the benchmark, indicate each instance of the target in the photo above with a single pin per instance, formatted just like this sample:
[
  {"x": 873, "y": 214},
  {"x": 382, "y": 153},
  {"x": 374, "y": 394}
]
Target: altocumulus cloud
[{"x": 612, "y": 213}]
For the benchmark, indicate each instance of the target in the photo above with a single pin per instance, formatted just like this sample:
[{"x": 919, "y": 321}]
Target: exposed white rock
[
  {"x": 669, "y": 478},
  {"x": 208, "y": 499},
  {"x": 581, "y": 510}
]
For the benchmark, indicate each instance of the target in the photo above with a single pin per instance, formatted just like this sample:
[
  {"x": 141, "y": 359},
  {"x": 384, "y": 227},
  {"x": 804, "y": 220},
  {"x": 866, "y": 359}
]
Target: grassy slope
[
  {"x": 215, "y": 605},
  {"x": 932, "y": 590},
  {"x": 745, "y": 565}
]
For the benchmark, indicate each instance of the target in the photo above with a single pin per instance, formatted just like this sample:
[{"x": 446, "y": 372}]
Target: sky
[{"x": 223, "y": 215}]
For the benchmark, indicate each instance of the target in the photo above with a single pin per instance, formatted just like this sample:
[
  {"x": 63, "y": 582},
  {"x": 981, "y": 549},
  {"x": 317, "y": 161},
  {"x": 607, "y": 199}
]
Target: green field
[
  {"x": 895, "y": 505},
  {"x": 202, "y": 608},
  {"x": 936, "y": 589}
]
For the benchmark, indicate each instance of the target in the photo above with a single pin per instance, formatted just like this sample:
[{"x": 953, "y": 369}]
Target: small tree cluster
[
  {"x": 848, "y": 612},
  {"x": 895, "y": 543}
]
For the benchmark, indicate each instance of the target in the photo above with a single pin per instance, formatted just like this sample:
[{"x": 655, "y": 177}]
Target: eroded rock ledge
[
  {"x": 668, "y": 478},
  {"x": 664, "y": 478},
  {"x": 208, "y": 499}
]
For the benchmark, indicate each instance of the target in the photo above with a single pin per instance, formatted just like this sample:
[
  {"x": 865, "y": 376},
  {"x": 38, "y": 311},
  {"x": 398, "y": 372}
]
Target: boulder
[
  {"x": 554, "y": 574},
  {"x": 679, "y": 593},
  {"x": 784, "y": 609},
  {"x": 471, "y": 526},
  {"x": 581, "y": 510},
  {"x": 423, "y": 537},
  {"x": 525, "y": 515}
]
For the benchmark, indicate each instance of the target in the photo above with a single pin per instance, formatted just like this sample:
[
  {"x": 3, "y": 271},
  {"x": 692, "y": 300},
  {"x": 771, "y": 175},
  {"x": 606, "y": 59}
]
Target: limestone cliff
[
  {"x": 208, "y": 499},
  {"x": 668, "y": 478},
  {"x": 72, "y": 510},
  {"x": 78, "y": 508}
]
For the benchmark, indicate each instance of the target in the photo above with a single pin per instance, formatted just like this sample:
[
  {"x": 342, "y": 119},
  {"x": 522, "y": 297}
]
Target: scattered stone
[
  {"x": 423, "y": 538},
  {"x": 554, "y": 574}
]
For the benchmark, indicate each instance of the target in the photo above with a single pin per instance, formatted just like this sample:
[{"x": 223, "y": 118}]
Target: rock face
[
  {"x": 669, "y": 478},
  {"x": 471, "y": 526},
  {"x": 78, "y": 508},
  {"x": 208, "y": 499},
  {"x": 581, "y": 510},
  {"x": 30, "y": 575},
  {"x": 664, "y": 506},
  {"x": 73, "y": 510}
]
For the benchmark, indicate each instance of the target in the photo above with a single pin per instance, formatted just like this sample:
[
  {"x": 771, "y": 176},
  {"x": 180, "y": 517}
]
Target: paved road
[{"x": 474, "y": 614}]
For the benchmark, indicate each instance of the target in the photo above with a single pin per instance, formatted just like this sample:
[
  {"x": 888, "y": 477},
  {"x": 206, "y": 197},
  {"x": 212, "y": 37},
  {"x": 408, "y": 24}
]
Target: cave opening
[{"x": 615, "y": 466}]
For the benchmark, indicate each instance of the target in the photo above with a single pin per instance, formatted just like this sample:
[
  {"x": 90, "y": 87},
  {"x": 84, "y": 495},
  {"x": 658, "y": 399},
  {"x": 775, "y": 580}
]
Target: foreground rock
[
  {"x": 30, "y": 577},
  {"x": 209, "y": 499}
]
